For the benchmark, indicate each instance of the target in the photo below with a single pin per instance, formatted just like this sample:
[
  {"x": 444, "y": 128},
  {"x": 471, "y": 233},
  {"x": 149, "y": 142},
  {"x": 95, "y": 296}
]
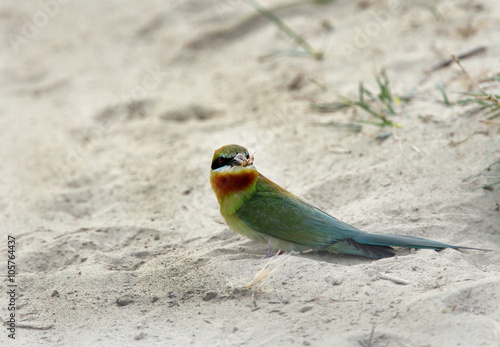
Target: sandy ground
[{"x": 109, "y": 116}]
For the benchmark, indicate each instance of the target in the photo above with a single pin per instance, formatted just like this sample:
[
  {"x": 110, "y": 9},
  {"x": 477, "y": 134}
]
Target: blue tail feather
[{"x": 404, "y": 241}]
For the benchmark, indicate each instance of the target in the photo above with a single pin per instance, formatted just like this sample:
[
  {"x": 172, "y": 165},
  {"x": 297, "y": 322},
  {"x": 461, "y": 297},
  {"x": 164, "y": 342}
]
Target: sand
[{"x": 110, "y": 113}]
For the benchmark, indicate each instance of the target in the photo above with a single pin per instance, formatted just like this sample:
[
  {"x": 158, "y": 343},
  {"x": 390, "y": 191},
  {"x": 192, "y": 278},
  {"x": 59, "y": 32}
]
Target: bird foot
[{"x": 270, "y": 252}]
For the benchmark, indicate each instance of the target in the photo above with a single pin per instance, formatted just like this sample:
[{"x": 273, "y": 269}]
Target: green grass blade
[
  {"x": 440, "y": 86},
  {"x": 286, "y": 29}
]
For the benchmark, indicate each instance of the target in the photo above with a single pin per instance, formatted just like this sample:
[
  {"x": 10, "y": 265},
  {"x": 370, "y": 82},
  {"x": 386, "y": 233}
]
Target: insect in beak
[{"x": 247, "y": 162}]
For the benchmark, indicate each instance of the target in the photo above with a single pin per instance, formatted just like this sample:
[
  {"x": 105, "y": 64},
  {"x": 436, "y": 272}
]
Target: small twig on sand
[
  {"x": 465, "y": 55},
  {"x": 33, "y": 327},
  {"x": 28, "y": 326},
  {"x": 490, "y": 96},
  {"x": 456, "y": 143},
  {"x": 370, "y": 339},
  {"x": 394, "y": 279},
  {"x": 489, "y": 122},
  {"x": 448, "y": 62}
]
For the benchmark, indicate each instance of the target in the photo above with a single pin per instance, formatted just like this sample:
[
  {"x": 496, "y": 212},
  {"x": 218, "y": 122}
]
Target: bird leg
[{"x": 269, "y": 253}]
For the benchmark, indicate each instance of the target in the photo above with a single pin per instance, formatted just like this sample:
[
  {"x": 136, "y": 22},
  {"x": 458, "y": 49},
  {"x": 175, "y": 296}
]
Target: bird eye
[
  {"x": 248, "y": 156},
  {"x": 221, "y": 160}
]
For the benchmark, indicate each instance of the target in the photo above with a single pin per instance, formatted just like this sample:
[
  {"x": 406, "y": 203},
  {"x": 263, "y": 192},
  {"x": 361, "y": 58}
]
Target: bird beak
[{"x": 240, "y": 159}]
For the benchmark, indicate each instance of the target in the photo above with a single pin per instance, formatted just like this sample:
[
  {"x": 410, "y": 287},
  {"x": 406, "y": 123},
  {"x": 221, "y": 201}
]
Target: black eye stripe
[{"x": 220, "y": 162}]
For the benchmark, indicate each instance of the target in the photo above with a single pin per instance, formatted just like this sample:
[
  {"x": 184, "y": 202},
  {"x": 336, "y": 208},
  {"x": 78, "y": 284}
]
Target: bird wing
[{"x": 273, "y": 211}]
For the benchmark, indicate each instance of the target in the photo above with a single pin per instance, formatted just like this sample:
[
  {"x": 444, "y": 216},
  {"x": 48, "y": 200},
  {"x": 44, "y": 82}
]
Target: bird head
[
  {"x": 232, "y": 172},
  {"x": 230, "y": 157}
]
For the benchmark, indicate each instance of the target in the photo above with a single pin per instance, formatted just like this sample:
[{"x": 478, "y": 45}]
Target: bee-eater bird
[{"x": 259, "y": 209}]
